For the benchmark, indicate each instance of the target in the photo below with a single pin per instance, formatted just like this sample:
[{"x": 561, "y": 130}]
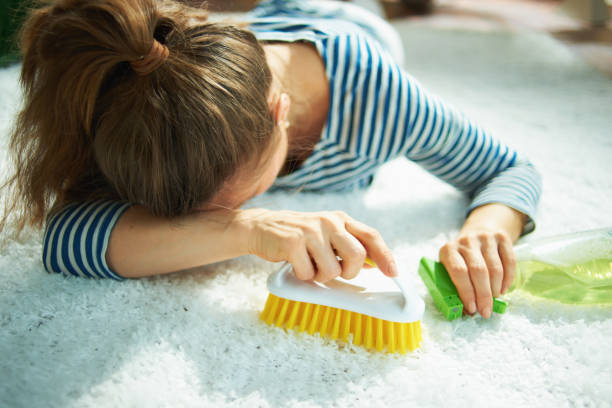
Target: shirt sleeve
[
  {"x": 76, "y": 238},
  {"x": 404, "y": 119},
  {"x": 457, "y": 150}
]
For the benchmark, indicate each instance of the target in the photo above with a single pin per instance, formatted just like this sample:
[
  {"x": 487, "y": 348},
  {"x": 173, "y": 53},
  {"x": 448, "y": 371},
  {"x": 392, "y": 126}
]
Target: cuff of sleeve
[
  {"x": 116, "y": 213},
  {"x": 518, "y": 187},
  {"x": 528, "y": 226}
]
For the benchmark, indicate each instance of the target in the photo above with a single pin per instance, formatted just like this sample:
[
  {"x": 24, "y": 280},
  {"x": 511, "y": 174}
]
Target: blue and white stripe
[
  {"x": 377, "y": 112},
  {"x": 76, "y": 239}
]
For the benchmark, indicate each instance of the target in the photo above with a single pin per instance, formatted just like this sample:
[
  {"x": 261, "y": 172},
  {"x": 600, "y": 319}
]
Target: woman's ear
[{"x": 281, "y": 108}]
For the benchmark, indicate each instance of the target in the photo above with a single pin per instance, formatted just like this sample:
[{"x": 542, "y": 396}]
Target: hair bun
[{"x": 153, "y": 60}]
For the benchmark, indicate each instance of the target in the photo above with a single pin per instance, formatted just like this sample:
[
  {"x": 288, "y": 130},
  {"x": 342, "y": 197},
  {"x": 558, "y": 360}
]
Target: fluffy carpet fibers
[{"x": 194, "y": 339}]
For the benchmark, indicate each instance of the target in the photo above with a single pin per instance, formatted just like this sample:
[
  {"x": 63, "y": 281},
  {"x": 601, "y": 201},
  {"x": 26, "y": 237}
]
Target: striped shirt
[{"x": 377, "y": 112}]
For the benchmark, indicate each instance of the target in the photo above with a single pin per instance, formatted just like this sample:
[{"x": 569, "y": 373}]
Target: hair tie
[{"x": 153, "y": 60}]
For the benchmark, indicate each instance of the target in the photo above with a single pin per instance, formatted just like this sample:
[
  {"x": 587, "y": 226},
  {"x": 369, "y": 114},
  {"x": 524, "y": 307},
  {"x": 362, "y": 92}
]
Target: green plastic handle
[{"x": 443, "y": 291}]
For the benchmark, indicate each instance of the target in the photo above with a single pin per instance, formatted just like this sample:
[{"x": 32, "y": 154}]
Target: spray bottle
[{"x": 572, "y": 268}]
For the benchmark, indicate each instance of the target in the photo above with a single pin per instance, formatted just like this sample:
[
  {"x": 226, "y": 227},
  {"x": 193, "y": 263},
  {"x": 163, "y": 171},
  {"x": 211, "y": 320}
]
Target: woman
[{"x": 148, "y": 127}]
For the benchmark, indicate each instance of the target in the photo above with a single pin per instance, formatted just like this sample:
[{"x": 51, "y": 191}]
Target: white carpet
[{"x": 194, "y": 339}]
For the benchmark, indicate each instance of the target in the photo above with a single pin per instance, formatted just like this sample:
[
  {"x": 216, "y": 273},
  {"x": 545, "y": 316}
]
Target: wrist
[
  {"x": 495, "y": 217},
  {"x": 245, "y": 229},
  {"x": 227, "y": 229}
]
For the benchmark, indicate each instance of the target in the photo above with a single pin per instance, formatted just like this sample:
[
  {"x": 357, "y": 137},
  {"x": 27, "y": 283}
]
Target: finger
[
  {"x": 458, "y": 272},
  {"x": 375, "y": 246},
  {"x": 477, "y": 269},
  {"x": 351, "y": 251},
  {"x": 508, "y": 260},
  {"x": 327, "y": 265},
  {"x": 302, "y": 264},
  {"x": 494, "y": 264}
]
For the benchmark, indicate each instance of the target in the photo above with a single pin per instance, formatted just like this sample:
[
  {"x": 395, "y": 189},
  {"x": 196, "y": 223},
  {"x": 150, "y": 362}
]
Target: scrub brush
[{"x": 368, "y": 307}]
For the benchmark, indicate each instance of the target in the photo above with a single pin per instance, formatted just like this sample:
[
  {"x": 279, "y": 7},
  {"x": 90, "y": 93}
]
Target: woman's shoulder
[
  {"x": 322, "y": 19},
  {"x": 328, "y": 21}
]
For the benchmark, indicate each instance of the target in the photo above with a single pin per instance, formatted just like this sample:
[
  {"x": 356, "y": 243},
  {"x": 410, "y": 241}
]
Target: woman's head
[{"x": 170, "y": 140}]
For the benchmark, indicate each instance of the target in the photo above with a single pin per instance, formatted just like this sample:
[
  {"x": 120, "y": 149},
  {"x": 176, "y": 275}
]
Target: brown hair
[{"x": 92, "y": 128}]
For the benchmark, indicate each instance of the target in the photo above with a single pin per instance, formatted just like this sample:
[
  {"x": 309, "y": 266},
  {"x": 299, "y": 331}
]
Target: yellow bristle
[
  {"x": 414, "y": 336},
  {"x": 346, "y": 324},
  {"x": 273, "y": 309},
  {"x": 357, "y": 330},
  {"x": 325, "y": 322},
  {"x": 379, "y": 339},
  {"x": 390, "y": 335},
  {"x": 410, "y": 337},
  {"x": 370, "y": 332},
  {"x": 336, "y": 326},
  {"x": 405, "y": 339},
  {"x": 315, "y": 319},
  {"x": 283, "y": 311},
  {"x": 305, "y": 317},
  {"x": 267, "y": 308},
  {"x": 296, "y": 306}
]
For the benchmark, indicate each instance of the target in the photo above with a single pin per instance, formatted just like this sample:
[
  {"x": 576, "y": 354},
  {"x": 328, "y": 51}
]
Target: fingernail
[
  {"x": 393, "y": 269},
  {"x": 486, "y": 313},
  {"x": 471, "y": 308}
]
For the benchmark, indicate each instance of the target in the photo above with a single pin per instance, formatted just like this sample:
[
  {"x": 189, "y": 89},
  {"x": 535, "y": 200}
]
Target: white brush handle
[
  {"x": 357, "y": 295},
  {"x": 407, "y": 291}
]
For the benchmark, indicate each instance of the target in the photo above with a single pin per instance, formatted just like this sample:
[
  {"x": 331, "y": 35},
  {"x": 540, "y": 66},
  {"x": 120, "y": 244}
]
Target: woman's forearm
[
  {"x": 144, "y": 245},
  {"x": 495, "y": 217}
]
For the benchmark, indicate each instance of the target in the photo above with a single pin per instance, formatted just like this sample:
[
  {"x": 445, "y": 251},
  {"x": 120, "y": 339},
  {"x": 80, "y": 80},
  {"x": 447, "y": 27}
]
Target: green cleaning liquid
[
  {"x": 585, "y": 283},
  {"x": 574, "y": 268}
]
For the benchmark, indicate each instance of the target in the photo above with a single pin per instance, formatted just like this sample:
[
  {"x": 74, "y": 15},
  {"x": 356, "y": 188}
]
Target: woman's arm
[
  {"x": 404, "y": 119},
  {"x": 111, "y": 239},
  {"x": 503, "y": 185},
  {"x": 142, "y": 244},
  {"x": 386, "y": 113}
]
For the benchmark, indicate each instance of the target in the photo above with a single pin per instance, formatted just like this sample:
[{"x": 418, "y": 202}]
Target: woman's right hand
[{"x": 311, "y": 241}]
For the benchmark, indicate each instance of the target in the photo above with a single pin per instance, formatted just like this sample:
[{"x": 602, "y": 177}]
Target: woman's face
[{"x": 249, "y": 183}]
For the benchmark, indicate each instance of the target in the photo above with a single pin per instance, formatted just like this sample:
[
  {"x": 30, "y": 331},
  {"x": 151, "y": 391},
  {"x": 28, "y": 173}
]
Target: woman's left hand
[{"x": 480, "y": 260}]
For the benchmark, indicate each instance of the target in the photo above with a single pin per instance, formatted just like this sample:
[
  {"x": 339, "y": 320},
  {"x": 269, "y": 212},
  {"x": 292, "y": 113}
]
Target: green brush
[{"x": 444, "y": 293}]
